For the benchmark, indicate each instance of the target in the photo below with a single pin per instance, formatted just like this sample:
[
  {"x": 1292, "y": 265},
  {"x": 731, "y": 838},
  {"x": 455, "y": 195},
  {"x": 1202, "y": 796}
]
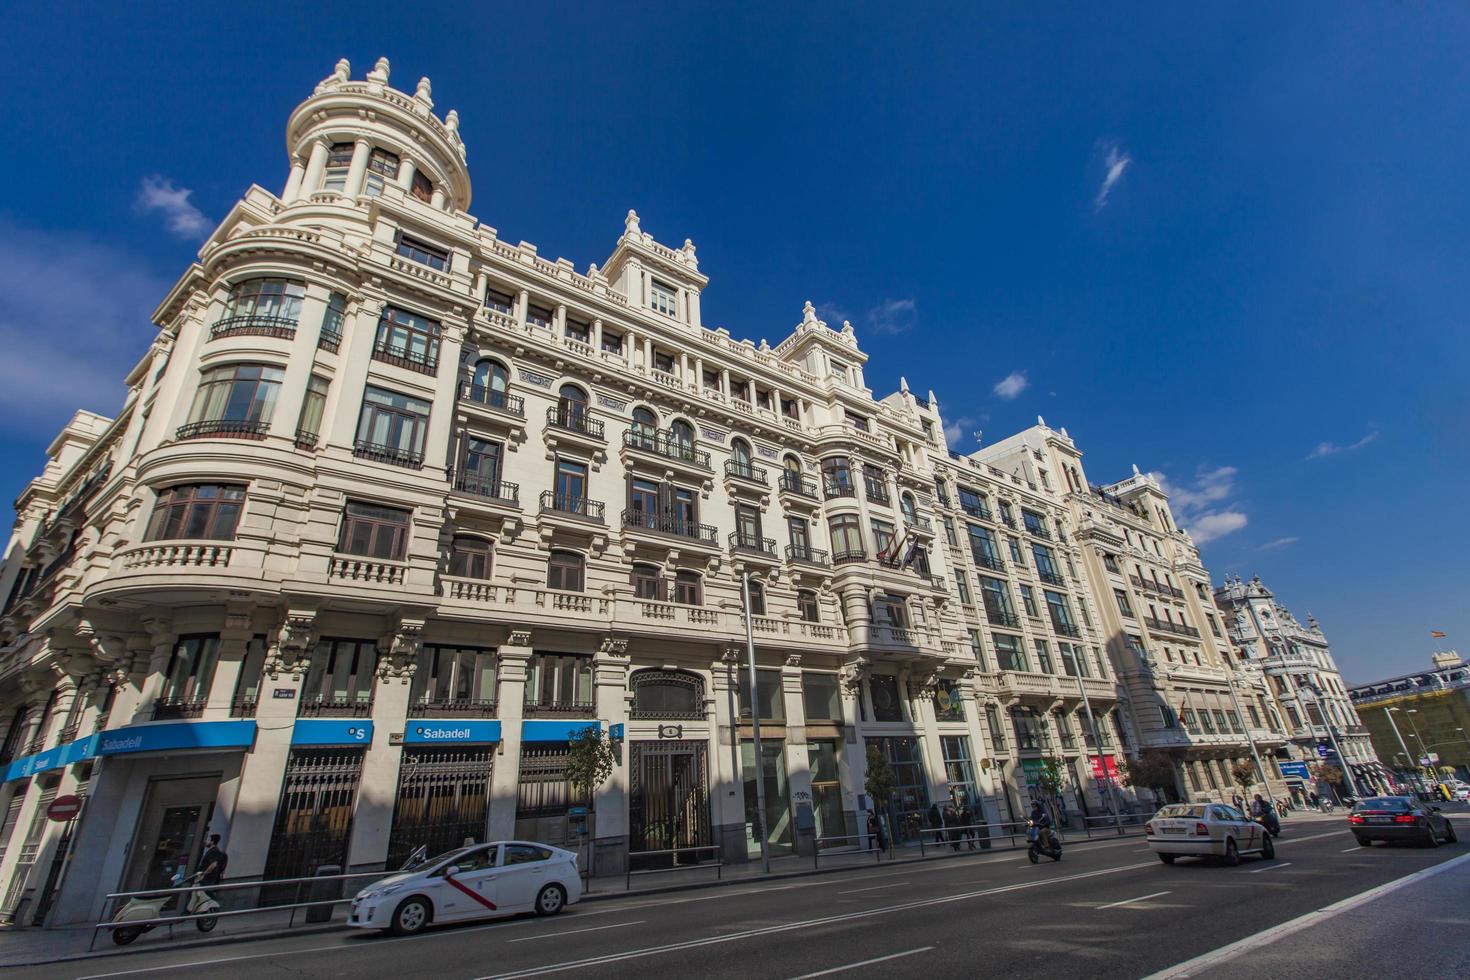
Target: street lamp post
[
  {"x": 1408, "y": 756},
  {"x": 1097, "y": 737},
  {"x": 1250, "y": 739},
  {"x": 755, "y": 726}
]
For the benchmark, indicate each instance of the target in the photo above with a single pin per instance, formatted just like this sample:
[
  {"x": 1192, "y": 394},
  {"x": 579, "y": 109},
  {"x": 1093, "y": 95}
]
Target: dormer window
[
  {"x": 382, "y": 167},
  {"x": 339, "y": 161},
  {"x": 661, "y": 298},
  {"x": 422, "y": 188},
  {"x": 422, "y": 253}
]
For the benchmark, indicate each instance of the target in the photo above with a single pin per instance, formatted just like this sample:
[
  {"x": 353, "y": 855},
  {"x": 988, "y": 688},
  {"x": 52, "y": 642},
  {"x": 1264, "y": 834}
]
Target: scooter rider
[{"x": 1042, "y": 822}]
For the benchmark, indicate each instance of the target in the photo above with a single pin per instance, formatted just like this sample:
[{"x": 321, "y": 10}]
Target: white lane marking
[
  {"x": 537, "y": 971},
  {"x": 573, "y": 932},
  {"x": 1297, "y": 840},
  {"x": 1130, "y": 901},
  {"x": 873, "y": 888},
  {"x": 1265, "y": 937},
  {"x": 1272, "y": 867},
  {"x": 854, "y": 966},
  {"x": 1355, "y": 847}
]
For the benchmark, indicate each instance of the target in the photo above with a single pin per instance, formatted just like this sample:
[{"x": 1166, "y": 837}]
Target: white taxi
[
  {"x": 1206, "y": 830},
  {"x": 476, "y": 882}
]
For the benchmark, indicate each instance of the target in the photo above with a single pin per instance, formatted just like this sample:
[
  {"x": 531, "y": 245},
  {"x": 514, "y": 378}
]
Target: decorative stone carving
[
  {"x": 380, "y": 72},
  {"x": 340, "y": 74},
  {"x": 615, "y": 647},
  {"x": 287, "y": 654},
  {"x": 852, "y": 674},
  {"x": 519, "y": 638},
  {"x": 398, "y": 652}
]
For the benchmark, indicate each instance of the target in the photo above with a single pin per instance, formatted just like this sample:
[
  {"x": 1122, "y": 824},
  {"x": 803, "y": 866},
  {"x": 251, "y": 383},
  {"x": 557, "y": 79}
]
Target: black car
[{"x": 1398, "y": 818}]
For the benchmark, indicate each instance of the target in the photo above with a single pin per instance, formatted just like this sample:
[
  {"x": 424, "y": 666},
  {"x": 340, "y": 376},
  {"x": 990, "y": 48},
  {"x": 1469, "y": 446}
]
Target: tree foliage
[
  {"x": 1050, "y": 776},
  {"x": 1326, "y": 772},
  {"x": 1243, "y": 771},
  {"x": 590, "y": 761},
  {"x": 1151, "y": 770},
  {"x": 881, "y": 780}
]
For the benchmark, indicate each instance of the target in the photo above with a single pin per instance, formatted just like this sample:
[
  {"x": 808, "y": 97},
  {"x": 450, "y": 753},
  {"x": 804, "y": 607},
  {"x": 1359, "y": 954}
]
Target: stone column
[
  {"x": 446, "y": 381},
  {"x": 293, "y": 182},
  {"x": 234, "y": 640},
  {"x": 597, "y": 334},
  {"x": 647, "y": 354},
  {"x": 405, "y": 175},
  {"x": 515, "y": 659},
  {"x": 630, "y": 349},
  {"x": 162, "y": 638},
  {"x": 286, "y": 414},
  {"x": 610, "y": 807},
  {"x": 725, "y": 382},
  {"x": 801, "y": 410},
  {"x": 357, "y": 170},
  {"x": 372, "y": 821},
  {"x": 684, "y": 368},
  {"x": 798, "y": 764},
  {"x": 559, "y": 322},
  {"x": 523, "y": 303},
  {"x": 727, "y": 782},
  {"x": 699, "y": 374},
  {"x": 359, "y": 330},
  {"x": 437, "y": 200},
  {"x": 693, "y": 301},
  {"x": 852, "y": 761},
  {"x": 316, "y": 166}
]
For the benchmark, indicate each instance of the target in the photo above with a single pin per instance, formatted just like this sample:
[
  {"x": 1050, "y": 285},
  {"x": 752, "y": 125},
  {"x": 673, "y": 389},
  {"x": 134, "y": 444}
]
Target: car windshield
[
  {"x": 436, "y": 859},
  {"x": 1384, "y": 803},
  {"x": 1183, "y": 810}
]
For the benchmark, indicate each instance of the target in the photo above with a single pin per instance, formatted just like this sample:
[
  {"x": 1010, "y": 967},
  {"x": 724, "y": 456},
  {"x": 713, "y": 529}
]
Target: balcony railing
[
  {"x": 1009, "y": 522},
  {"x": 406, "y": 357},
  {"x": 243, "y": 707},
  {"x": 1165, "y": 626},
  {"x": 744, "y": 471},
  {"x": 665, "y": 445},
  {"x": 876, "y": 492},
  {"x": 69, "y": 733},
  {"x": 977, "y": 510},
  {"x": 348, "y": 707},
  {"x": 575, "y": 420},
  {"x": 752, "y": 542},
  {"x": 919, "y": 523},
  {"x": 499, "y": 400},
  {"x": 849, "y": 557},
  {"x": 999, "y": 617},
  {"x": 489, "y": 489},
  {"x": 796, "y": 483},
  {"x": 1051, "y": 578},
  {"x": 559, "y": 708},
  {"x": 837, "y": 488},
  {"x": 222, "y": 429},
  {"x": 306, "y": 440},
  {"x": 1038, "y": 530},
  {"x": 178, "y": 708},
  {"x": 806, "y": 553},
  {"x": 566, "y": 503},
  {"x": 459, "y": 707},
  {"x": 391, "y": 455},
  {"x": 253, "y": 325},
  {"x": 330, "y": 338},
  {"x": 990, "y": 562},
  {"x": 1065, "y": 629},
  {"x": 668, "y": 524}
]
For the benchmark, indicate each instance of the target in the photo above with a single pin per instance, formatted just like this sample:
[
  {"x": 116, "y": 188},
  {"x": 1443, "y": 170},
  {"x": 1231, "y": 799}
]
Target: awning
[
  {"x": 157, "y": 736},
  {"x": 537, "y": 730}
]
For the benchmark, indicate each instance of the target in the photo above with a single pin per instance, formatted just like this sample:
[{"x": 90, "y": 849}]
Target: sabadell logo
[
  {"x": 119, "y": 744},
  {"x": 430, "y": 732}
]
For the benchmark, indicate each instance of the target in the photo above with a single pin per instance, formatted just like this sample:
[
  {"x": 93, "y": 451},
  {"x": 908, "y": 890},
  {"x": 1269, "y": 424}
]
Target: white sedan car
[
  {"x": 476, "y": 882},
  {"x": 1206, "y": 830}
]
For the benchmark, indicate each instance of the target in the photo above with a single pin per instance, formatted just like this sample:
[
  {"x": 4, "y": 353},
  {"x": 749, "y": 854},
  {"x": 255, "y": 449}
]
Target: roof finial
[
  {"x": 808, "y": 312},
  {"x": 847, "y": 330},
  {"x": 451, "y": 122},
  {"x": 341, "y": 73},
  {"x": 903, "y": 384},
  {"x": 1135, "y": 470},
  {"x": 630, "y": 223},
  {"x": 424, "y": 93},
  {"x": 1041, "y": 421},
  {"x": 379, "y": 72}
]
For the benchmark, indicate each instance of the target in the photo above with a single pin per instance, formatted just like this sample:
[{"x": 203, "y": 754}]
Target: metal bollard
[{"x": 321, "y": 891}]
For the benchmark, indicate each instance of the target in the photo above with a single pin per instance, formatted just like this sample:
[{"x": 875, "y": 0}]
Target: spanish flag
[{"x": 1437, "y": 634}]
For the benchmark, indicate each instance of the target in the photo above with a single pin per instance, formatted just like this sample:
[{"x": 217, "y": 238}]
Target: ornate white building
[{"x": 394, "y": 508}]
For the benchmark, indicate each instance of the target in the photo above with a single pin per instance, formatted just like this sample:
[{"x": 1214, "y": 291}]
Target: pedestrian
[
  {"x": 212, "y": 862},
  {"x": 953, "y": 821},
  {"x": 1314, "y": 800},
  {"x": 1238, "y": 802},
  {"x": 967, "y": 820},
  {"x": 936, "y": 820}
]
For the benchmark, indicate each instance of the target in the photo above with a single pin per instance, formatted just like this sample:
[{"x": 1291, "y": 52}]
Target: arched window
[
  {"x": 757, "y": 597},
  {"x": 910, "y": 511},
  {"x": 806, "y": 604},
  {"x": 792, "y": 464},
  {"x": 659, "y": 694},
  {"x": 571, "y": 407},
  {"x": 688, "y": 589},
  {"x": 469, "y": 558},
  {"x": 681, "y": 437},
  {"x": 490, "y": 383},
  {"x": 565, "y": 570},
  {"x": 645, "y": 427},
  {"x": 740, "y": 458},
  {"x": 648, "y": 582},
  {"x": 422, "y": 188}
]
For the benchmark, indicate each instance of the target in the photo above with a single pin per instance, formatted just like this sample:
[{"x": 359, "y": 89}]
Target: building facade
[
  {"x": 1420, "y": 723},
  {"x": 1305, "y": 685},
  {"x": 394, "y": 509}
]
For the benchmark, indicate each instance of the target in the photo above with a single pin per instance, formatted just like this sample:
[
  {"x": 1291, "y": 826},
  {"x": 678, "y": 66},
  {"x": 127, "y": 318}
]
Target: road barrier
[{"x": 674, "y": 852}]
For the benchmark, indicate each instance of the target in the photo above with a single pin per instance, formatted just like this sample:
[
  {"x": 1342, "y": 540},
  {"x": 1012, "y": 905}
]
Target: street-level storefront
[{"x": 443, "y": 797}]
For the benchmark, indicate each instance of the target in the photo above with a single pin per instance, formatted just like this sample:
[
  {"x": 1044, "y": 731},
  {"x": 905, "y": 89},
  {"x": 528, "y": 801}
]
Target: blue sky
[{"x": 1228, "y": 245}]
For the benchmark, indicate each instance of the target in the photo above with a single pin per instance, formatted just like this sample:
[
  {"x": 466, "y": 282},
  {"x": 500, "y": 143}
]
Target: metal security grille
[
  {"x": 443, "y": 798},
  {"x": 26, "y": 857},
  {"x": 541, "y": 788},
  {"x": 668, "y": 799},
  {"x": 314, "y": 817}
]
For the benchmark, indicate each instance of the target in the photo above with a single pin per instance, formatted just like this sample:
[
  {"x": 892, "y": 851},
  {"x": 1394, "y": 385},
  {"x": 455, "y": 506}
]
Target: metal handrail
[{"x": 719, "y": 864}]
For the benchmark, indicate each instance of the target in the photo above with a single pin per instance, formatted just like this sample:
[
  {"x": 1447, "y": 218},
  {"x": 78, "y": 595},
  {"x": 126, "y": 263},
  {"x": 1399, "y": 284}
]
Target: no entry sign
[{"x": 64, "y": 808}]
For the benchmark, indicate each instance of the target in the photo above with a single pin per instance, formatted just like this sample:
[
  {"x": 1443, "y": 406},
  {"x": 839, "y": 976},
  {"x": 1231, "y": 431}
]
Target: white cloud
[
  {"x": 1278, "y": 543},
  {"x": 1200, "y": 505},
  {"x": 831, "y": 314},
  {"x": 956, "y": 430},
  {"x": 1011, "y": 385},
  {"x": 158, "y": 193},
  {"x": 1332, "y": 448},
  {"x": 1117, "y": 162},
  {"x": 74, "y": 317},
  {"x": 893, "y": 316}
]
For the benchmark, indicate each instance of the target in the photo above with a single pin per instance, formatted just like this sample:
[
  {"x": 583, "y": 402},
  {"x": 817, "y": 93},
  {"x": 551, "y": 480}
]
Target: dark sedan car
[{"x": 1398, "y": 818}]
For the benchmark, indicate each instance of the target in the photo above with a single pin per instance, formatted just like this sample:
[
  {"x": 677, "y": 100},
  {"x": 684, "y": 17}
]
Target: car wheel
[
  {"x": 1031, "y": 853},
  {"x": 206, "y": 925},
  {"x": 1268, "y": 848},
  {"x": 410, "y": 917},
  {"x": 1450, "y": 836},
  {"x": 1429, "y": 839},
  {"x": 1232, "y": 853},
  {"x": 126, "y": 934},
  {"x": 550, "y": 900},
  {"x": 1365, "y": 841},
  {"x": 1168, "y": 858}
]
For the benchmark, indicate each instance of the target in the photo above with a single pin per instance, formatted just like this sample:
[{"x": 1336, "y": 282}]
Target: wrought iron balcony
[
  {"x": 391, "y": 455},
  {"x": 1166, "y": 626},
  {"x": 838, "y": 488},
  {"x": 1065, "y": 629},
  {"x": 306, "y": 440},
  {"x": 1037, "y": 530},
  {"x": 665, "y": 445},
  {"x": 565, "y": 503},
  {"x": 988, "y": 561},
  {"x": 254, "y": 325},
  {"x": 1051, "y": 578},
  {"x": 668, "y": 524},
  {"x": 806, "y": 553},
  {"x": 501, "y": 401},
  {"x": 999, "y": 617},
  {"x": 348, "y": 707},
  {"x": 459, "y": 707},
  {"x": 744, "y": 471},
  {"x": 1009, "y": 522},
  {"x": 575, "y": 420},
  {"x": 563, "y": 709},
  {"x": 752, "y": 542},
  {"x": 330, "y": 338},
  {"x": 977, "y": 510},
  {"x": 401, "y": 355},
  {"x": 222, "y": 429},
  {"x": 849, "y": 557},
  {"x": 490, "y": 489},
  {"x": 795, "y": 483},
  {"x": 178, "y": 708},
  {"x": 243, "y": 707},
  {"x": 876, "y": 492},
  {"x": 919, "y": 523}
]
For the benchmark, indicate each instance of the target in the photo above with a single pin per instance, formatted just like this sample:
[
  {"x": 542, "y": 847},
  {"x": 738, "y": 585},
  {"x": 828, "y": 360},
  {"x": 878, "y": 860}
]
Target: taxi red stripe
[{"x": 471, "y": 893}]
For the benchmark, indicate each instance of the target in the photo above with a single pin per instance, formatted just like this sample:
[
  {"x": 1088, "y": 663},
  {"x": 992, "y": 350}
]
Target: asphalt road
[{"x": 1108, "y": 909}]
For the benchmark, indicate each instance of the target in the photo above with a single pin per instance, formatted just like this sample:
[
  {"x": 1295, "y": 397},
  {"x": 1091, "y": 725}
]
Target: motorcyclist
[
  {"x": 1263, "y": 813},
  {"x": 1042, "y": 822}
]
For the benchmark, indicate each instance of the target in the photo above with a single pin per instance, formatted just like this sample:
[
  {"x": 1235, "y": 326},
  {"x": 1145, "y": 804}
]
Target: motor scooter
[
  {"x": 141, "y": 908},
  {"x": 1270, "y": 821},
  {"x": 1053, "y": 849}
]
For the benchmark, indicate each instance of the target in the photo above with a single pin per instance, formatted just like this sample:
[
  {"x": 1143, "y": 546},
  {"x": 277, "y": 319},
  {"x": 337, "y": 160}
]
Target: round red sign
[{"x": 64, "y": 807}]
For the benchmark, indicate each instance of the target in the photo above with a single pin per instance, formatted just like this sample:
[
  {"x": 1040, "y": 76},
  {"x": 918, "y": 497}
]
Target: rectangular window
[
  {"x": 962, "y": 586},
  {"x": 647, "y": 582},
  {"x": 687, "y": 588},
  {"x": 997, "y": 598},
  {"x": 1061, "y": 614},
  {"x": 190, "y": 670},
  {"x": 820, "y": 695},
  {"x": 1123, "y": 606},
  {"x": 949, "y": 534},
  {"x": 612, "y": 343},
  {"x": 973, "y": 504},
  {"x": 578, "y": 331},
  {"x": 997, "y": 733},
  {"x": 875, "y": 484},
  {"x": 340, "y": 678},
  {"x": 859, "y": 422},
  {"x": 339, "y": 161},
  {"x": 977, "y": 648},
  {"x": 481, "y": 468},
  {"x": 983, "y": 550},
  {"x": 1074, "y": 662},
  {"x": 1009, "y": 654},
  {"x": 538, "y": 316},
  {"x": 564, "y": 571},
  {"x": 1035, "y": 523},
  {"x": 837, "y": 476},
  {"x": 883, "y": 539},
  {"x": 1109, "y": 562},
  {"x": 663, "y": 362},
  {"x": 455, "y": 678},
  {"x": 769, "y": 695},
  {"x": 1046, "y": 566},
  {"x": 241, "y": 396},
  {"x": 887, "y": 701},
  {"x": 407, "y": 339},
  {"x": 201, "y": 511},
  {"x": 499, "y": 302},
  {"x": 1028, "y": 602},
  {"x": 372, "y": 531},
  {"x": 893, "y": 610},
  {"x": 662, "y": 298},
  {"x": 1015, "y": 547},
  {"x": 748, "y": 527},
  {"x": 806, "y": 605},
  {"x": 847, "y": 538},
  {"x": 569, "y": 486},
  {"x": 799, "y": 532},
  {"x": 423, "y": 253},
  {"x": 392, "y": 426},
  {"x": 313, "y": 406},
  {"x": 1043, "y": 656},
  {"x": 382, "y": 167},
  {"x": 559, "y": 680}
]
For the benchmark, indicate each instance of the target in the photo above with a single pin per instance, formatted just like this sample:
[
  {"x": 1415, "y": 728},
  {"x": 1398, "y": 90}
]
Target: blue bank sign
[
  {"x": 165, "y": 736},
  {"x": 1294, "y": 769},
  {"x": 535, "y": 730},
  {"x": 332, "y": 731},
  {"x": 451, "y": 733}
]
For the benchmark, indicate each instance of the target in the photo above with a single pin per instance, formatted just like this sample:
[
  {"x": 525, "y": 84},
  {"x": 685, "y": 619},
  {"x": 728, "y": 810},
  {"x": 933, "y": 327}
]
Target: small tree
[
  {"x": 1326, "y": 772},
  {"x": 590, "y": 759},
  {"x": 880, "y": 781},
  {"x": 1152, "y": 770},
  {"x": 1243, "y": 771}
]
